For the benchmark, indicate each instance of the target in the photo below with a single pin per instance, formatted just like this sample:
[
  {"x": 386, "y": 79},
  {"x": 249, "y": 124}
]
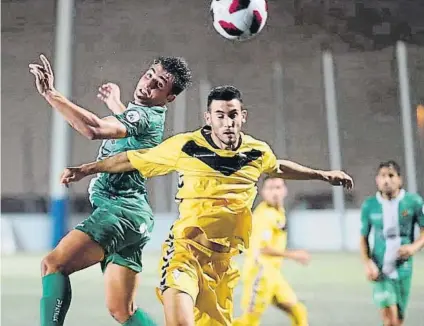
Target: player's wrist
[
  {"x": 87, "y": 169},
  {"x": 322, "y": 175}
]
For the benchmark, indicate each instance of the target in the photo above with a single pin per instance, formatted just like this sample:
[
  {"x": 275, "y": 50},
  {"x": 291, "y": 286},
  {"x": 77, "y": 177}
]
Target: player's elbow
[{"x": 92, "y": 133}]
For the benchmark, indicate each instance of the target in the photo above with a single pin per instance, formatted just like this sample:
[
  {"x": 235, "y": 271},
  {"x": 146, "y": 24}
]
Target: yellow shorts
[
  {"x": 208, "y": 277},
  {"x": 263, "y": 286}
]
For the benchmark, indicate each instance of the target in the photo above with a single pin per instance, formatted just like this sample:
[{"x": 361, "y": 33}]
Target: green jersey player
[
  {"x": 121, "y": 222},
  {"x": 391, "y": 216}
]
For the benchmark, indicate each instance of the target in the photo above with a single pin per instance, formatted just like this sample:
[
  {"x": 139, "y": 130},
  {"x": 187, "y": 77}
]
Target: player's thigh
[
  {"x": 104, "y": 226},
  {"x": 75, "y": 251},
  {"x": 386, "y": 298},
  {"x": 403, "y": 288},
  {"x": 178, "y": 307},
  {"x": 284, "y": 295},
  {"x": 257, "y": 291},
  {"x": 120, "y": 289},
  {"x": 179, "y": 282},
  {"x": 229, "y": 276}
]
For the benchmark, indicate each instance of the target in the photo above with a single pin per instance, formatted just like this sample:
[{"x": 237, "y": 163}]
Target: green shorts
[
  {"x": 389, "y": 292},
  {"x": 122, "y": 232}
]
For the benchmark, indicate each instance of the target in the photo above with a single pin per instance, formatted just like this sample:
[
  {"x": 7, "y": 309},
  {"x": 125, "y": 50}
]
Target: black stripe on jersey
[{"x": 224, "y": 165}]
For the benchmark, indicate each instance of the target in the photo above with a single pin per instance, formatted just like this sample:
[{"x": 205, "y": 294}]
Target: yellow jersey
[
  {"x": 268, "y": 230},
  {"x": 216, "y": 187}
]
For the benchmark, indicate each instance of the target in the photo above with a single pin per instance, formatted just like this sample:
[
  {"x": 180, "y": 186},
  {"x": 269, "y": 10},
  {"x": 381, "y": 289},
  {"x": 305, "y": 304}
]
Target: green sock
[
  {"x": 56, "y": 299},
  {"x": 140, "y": 318}
]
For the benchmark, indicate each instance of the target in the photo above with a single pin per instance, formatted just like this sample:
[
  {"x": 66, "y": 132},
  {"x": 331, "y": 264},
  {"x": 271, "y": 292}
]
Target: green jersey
[
  {"x": 145, "y": 127},
  {"x": 392, "y": 224}
]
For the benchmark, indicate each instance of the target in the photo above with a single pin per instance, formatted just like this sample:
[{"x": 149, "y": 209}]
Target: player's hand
[
  {"x": 301, "y": 256},
  {"x": 406, "y": 251},
  {"x": 110, "y": 94},
  {"x": 371, "y": 270},
  {"x": 70, "y": 175},
  {"x": 44, "y": 77},
  {"x": 338, "y": 178}
]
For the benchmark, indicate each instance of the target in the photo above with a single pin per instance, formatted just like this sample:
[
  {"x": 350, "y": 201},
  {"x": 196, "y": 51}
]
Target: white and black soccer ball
[{"x": 239, "y": 20}]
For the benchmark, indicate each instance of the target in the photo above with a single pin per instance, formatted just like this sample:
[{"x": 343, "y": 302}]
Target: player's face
[
  {"x": 154, "y": 87},
  {"x": 274, "y": 191},
  {"x": 226, "y": 119},
  {"x": 388, "y": 181}
]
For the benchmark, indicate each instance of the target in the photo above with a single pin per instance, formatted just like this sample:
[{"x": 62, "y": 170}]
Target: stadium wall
[{"x": 114, "y": 39}]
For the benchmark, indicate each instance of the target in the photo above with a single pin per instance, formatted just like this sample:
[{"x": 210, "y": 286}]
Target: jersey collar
[
  {"x": 158, "y": 109},
  {"x": 398, "y": 198}
]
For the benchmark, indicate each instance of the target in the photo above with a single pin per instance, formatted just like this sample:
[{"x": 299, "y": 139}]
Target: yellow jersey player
[
  {"x": 263, "y": 282},
  {"x": 219, "y": 167}
]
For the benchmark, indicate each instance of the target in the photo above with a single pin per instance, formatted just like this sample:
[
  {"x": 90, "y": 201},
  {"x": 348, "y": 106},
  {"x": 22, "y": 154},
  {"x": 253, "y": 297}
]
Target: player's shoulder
[
  {"x": 255, "y": 143},
  {"x": 369, "y": 201},
  {"x": 413, "y": 197}
]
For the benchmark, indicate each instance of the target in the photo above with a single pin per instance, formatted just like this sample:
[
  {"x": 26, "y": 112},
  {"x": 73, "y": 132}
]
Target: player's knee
[
  {"x": 180, "y": 319},
  {"x": 51, "y": 264},
  {"x": 119, "y": 311}
]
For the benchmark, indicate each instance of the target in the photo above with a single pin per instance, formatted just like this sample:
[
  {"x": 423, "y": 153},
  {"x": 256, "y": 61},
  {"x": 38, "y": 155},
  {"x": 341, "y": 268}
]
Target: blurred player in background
[
  {"x": 219, "y": 167},
  {"x": 392, "y": 214},
  {"x": 263, "y": 282},
  {"x": 122, "y": 220}
]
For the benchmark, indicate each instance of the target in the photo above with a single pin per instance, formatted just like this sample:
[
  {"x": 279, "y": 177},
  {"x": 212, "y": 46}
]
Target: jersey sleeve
[
  {"x": 365, "y": 220},
  {"x": 158, "y": 160},
  {"x": 420, "y": 212},
  {"x": 135, "y": 120},
  {"x": 269, "y": 163}
]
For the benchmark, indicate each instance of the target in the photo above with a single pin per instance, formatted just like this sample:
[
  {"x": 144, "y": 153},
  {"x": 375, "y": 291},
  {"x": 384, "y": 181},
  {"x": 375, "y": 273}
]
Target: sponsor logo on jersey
[{"x": 405, "y": 213}]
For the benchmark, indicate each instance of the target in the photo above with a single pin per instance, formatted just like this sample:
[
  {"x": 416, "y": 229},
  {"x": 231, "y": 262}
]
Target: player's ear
[
  {"x": 170, "y": 98},
  {"x": 243, "y": 116},
  {"x": 207, "y": 116}
]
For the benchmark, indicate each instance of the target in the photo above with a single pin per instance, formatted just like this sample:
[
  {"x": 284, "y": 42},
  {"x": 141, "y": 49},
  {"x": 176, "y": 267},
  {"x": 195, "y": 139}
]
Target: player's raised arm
[
  {"x": 115, "y": 164},
  {"x": 293, "y": 171},
  {"x": 155, "y": 161},
  {"x": 85, "y": 122}
]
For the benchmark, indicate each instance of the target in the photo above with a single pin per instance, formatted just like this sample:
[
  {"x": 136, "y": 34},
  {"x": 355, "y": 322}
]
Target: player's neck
[
  {"x": 390, "y": 196},
  {"x": 276, "y": 206},
  {"x": 222, "y": 145}
]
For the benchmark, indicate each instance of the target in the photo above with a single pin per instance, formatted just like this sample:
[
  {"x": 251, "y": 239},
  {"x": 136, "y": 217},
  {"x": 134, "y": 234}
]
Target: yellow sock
[{"x": 299, "y": 315}]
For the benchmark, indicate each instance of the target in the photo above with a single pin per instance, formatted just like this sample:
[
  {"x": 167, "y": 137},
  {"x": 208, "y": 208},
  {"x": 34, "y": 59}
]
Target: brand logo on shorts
[
  {"x": 176, "y": 274},
  {"x": 143, "y": 229}
]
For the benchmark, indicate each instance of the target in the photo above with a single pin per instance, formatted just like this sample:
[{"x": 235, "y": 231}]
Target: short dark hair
[
  {"x": 389, "y": 164},
  {"x": 179, "y": 69},
  {"x": 224, "y": 93}
]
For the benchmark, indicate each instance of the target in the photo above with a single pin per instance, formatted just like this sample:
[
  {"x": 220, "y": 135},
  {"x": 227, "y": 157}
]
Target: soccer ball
[{"x": 239, "y": 19}]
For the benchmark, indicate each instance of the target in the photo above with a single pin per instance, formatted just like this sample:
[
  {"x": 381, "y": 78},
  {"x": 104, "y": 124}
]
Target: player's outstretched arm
[
  {"x": 85, "y": 122},
  {"x": 110, "y": 94},
  {"x": 300, "y": 256},
  {"x": 115, "y": 164},
  {"x": 294, "y": 171}
]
